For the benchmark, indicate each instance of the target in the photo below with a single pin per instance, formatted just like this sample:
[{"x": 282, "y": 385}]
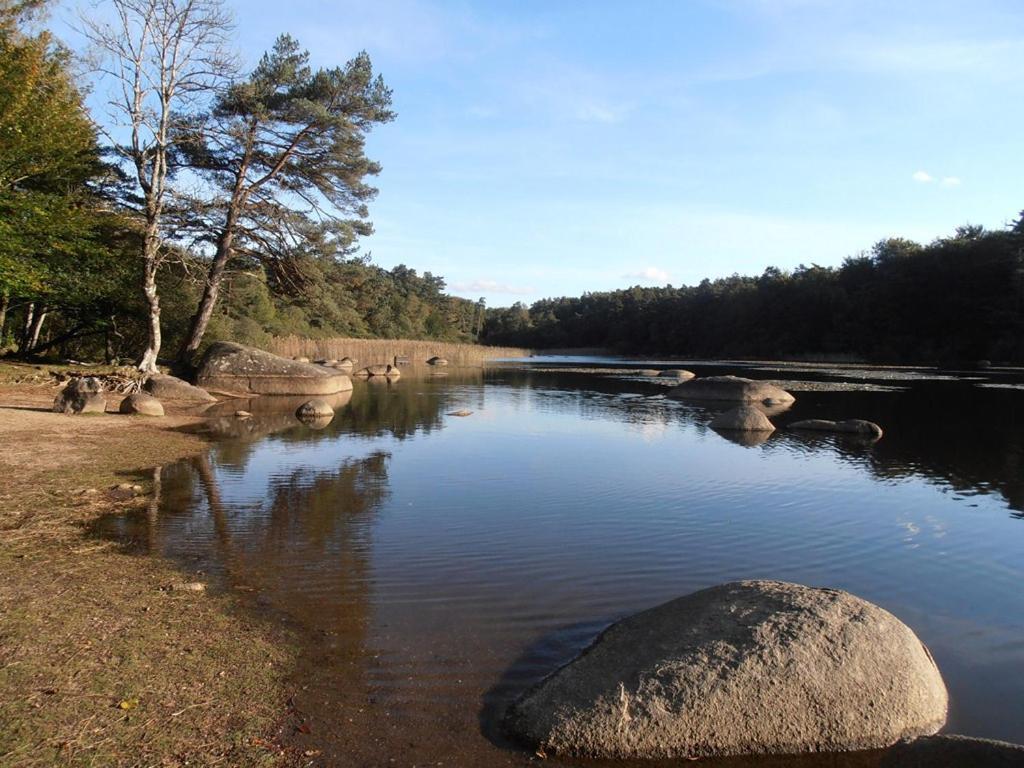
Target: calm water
[{"x": 436, "y": 565}]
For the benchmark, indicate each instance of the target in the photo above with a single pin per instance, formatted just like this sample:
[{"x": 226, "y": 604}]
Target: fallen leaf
[
  {"x": 302, "y": 728},
  {"x": 127, "y": 704}
]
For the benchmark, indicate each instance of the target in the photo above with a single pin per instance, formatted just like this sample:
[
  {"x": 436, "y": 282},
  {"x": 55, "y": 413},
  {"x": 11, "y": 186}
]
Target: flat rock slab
[
  {"x": 750, "y": 667},
  {"x": 952, "y": 751},
  {"x": 236, "y": 369},
  {"x": 731, "y": 388}
]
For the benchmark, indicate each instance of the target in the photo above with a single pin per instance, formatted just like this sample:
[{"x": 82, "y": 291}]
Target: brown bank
[{"x": 102, "y": 660}]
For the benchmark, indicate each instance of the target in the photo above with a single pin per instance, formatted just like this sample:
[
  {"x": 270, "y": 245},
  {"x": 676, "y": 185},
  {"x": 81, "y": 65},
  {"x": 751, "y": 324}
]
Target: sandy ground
[{"x": 102, "y": 662}]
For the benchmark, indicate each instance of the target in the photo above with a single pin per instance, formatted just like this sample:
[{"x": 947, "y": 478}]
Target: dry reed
[{"x": 376, "y": 351}]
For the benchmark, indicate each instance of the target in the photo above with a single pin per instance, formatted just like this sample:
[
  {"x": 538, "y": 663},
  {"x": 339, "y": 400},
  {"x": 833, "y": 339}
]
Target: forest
[
  {"x": 208, "y": 203},
  {"x": 958, "y": 299}
]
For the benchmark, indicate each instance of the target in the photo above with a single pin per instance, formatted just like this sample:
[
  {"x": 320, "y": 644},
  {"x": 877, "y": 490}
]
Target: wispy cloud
[
  {"x": 600, "y": 113},
  {"x": 923, "y": 177},
  {"x": 491, "y": 286},
  {"x": 648, "y": 274}
]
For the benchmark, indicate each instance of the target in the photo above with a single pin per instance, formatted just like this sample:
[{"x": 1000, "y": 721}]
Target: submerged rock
[
  {"x": 952, "y": 751},
  {"x": 166, "y": 387},
  {"x": 745, "y": 418},
  {"x": 237, "y": 369},
  {"x": 762, "y": 667},
  {"x": 731, "y": 388},
  {"x": 437, "y": 361},
  {"x": 390, "y": 371},
  {"x": 142, "y": 404},
  {"x": 852, "y": 426},
  {"x": 83, "y": 394}
]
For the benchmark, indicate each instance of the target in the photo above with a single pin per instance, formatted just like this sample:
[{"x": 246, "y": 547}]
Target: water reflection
[{"x": 439, "y": 565}]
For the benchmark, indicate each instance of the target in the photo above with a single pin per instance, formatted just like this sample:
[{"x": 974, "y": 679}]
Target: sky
[{"x": 548, "y": 148}]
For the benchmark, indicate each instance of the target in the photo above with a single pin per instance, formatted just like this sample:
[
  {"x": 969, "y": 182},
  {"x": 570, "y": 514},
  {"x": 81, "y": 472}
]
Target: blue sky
[{"x": 552, "y": 148}]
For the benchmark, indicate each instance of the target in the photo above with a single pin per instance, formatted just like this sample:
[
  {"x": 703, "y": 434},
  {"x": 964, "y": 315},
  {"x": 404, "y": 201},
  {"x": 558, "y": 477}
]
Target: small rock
[
  {"x": 142, "y": 404},
  {"x": 461, "y": 413},
  {"x": 745, "y": 418},
  {"x": 243, "y": 415},
  {"x": 188, "y": 586},
  {"x": 851, "y": 426}
]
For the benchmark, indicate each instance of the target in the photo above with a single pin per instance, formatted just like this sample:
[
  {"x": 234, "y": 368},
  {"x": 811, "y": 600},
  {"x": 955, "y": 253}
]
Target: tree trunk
[
  {"x": 147, "y": 364},
  {"x": 201, "y": 319},
  {"x": 5, "y": 302},
  {"x": 26, "y": 328},
  {"x": 37, "y": 326}
]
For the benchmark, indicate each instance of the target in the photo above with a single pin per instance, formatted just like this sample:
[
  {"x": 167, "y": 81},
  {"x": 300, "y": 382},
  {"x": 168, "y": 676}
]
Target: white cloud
[
  {"x": 950, "y": 181},
  {"x": 923, "y": 177},
  {"x": 652, "y": 274},
  {"x": 490, "y": 286}
]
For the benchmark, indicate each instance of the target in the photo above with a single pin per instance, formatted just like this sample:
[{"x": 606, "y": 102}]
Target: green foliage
[{"x": 958, "y": 299}]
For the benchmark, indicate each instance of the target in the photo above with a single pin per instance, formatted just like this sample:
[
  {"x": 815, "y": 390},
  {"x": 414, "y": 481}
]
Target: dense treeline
[
  {"x": 227, "y": 207},
  {"x": 959, "y": 298}
]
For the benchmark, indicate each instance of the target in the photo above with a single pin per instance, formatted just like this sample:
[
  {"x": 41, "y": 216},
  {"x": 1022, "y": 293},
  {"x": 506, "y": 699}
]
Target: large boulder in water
[
  {"x": 744, "y": 418},
  {"x": 731, "y": 388},
  {"x": 437, "y": 361},
  {"x": 851, "y": 426},
  {"x": 237, "y": 369},
  {"x": 83, "y": 394},
  {"x": 164, "y": 387},
  {"x": 142, "y": 404},
  {"x": 760, "y": 667}
]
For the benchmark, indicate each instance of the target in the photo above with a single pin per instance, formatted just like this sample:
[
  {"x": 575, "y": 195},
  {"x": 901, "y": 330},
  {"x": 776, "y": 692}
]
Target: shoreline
[{"x": 101, "y": 661}]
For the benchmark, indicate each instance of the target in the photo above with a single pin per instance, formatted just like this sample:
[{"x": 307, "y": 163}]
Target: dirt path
[{"x": 100, "y": 662}]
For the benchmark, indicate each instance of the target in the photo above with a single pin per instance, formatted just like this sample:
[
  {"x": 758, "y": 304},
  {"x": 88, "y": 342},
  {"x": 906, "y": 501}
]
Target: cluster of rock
[
  {"x": 758, "y": 400},
  {"x": 751, "y": 667}
]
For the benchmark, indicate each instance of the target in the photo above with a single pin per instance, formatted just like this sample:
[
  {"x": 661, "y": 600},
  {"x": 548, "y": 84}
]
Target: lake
[{"x": 435, "y": 565}]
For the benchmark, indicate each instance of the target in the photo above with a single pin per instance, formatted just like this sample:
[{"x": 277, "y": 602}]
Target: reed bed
[{"x": 375, "y": 351}]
